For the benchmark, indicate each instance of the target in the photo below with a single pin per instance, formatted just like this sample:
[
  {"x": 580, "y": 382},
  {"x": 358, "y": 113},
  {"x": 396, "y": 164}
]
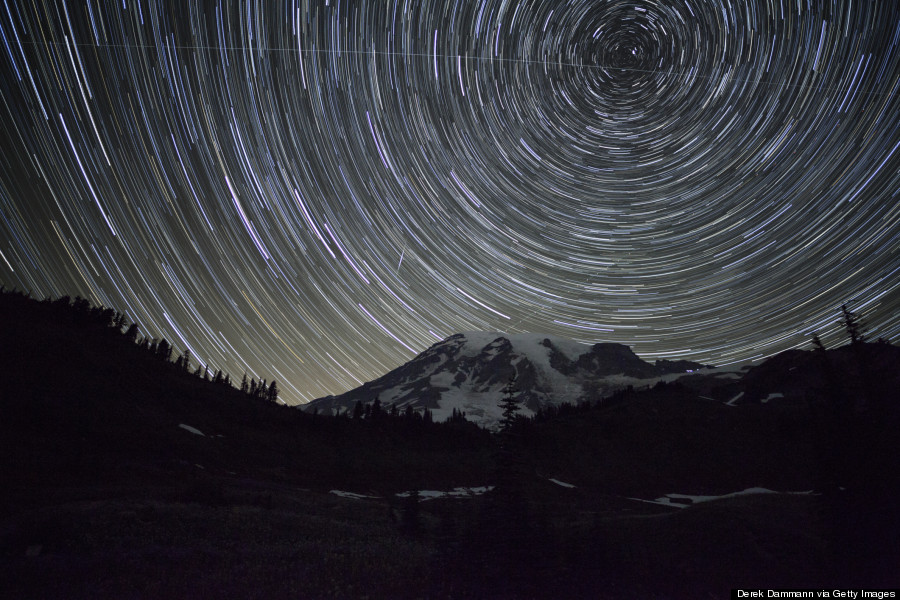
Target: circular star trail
[{"x": 313, "y": 192}]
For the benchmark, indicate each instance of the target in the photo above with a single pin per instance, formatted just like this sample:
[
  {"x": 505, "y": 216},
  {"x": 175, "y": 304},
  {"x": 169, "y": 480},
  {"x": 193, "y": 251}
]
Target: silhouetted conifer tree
[
  {"x": 817, "y": 343},
  {"x": 81, "y": 309},
  {"x": 853, "y": 325},
  {"x": 457, "y": 416},
  {"x": 164, "y": 350},
  {"x": 509, "y": 405},
  {"x": 272, "y": 394},
  {"x": 855, "y": 447},
  {"x": 245, "y": 385},
  {"x": 508, "y": 536},
  {"x": 105, "y": 316},
  {"x": 376, "y": 408}
]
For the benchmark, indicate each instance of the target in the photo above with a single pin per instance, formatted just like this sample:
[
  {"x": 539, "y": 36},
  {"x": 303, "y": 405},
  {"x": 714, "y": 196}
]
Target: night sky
[{"x": 317, "y": 192}]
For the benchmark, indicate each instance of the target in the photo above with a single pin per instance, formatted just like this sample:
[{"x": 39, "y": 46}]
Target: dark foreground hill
[{"x": 126, "y": 476}]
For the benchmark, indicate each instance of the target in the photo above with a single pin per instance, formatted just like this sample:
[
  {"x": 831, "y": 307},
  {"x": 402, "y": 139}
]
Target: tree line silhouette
[{"x": 82, "y": 312}]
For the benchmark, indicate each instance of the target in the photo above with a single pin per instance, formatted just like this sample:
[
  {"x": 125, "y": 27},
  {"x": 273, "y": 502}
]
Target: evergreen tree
[
  {"x": 508, "y": 535},
  {"x": 458, "y": 416},
  {"x": 357, "y": 411},
  {"x": 132, "y": 333},
  {"x": 853, "y": 325},
  {"x": 164, "y": 350},
  {"x": 817, "y": 343},
  {"x": 106, "y": 317},
  {"x": 272, "y": 394},
  {"x": 376, "y": 408},
  {"x": 510, "y": 462},
  {"x": 81, "y": 308},
  {"x": 509, "y": 405},
  {"x": 245, "y": 386},
  {"x": 856, "y": 330}
]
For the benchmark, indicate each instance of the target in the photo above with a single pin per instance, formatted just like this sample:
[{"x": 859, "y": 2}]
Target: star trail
[{"x": 314, "y": 192}]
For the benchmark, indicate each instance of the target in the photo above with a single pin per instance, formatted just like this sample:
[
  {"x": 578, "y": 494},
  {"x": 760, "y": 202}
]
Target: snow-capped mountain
[{"x": 468, "y": 372}]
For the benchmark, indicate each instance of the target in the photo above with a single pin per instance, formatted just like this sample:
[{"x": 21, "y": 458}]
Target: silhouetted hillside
[{"x": 84, "y": 401}]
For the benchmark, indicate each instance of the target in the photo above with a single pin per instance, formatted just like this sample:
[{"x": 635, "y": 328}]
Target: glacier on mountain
[{"x": 468, "y": 372}]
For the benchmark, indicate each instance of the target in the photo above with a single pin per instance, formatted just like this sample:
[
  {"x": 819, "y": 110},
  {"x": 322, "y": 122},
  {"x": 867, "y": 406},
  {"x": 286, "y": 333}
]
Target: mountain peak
[{"x": 467, "y": 371}]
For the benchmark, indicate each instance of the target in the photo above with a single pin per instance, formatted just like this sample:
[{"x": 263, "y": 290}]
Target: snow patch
[
  {"x": 526, "y": 343},
  {"x": 350, "y": 495},
  {"x": 561, "y": 483},
  {"x": 483, "y": 405},
  {"x": 475, "y": 341},
  {"x": 193, "y": 430},
  {"x": 688, "y": 499},
  {"x": 685, "y": 500},
  {"x": 772, "y": 396},
  {"x": 459, "y": 492},
  {"x": 727, "y": 375},
  {"x": 735, "y": 399}
]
